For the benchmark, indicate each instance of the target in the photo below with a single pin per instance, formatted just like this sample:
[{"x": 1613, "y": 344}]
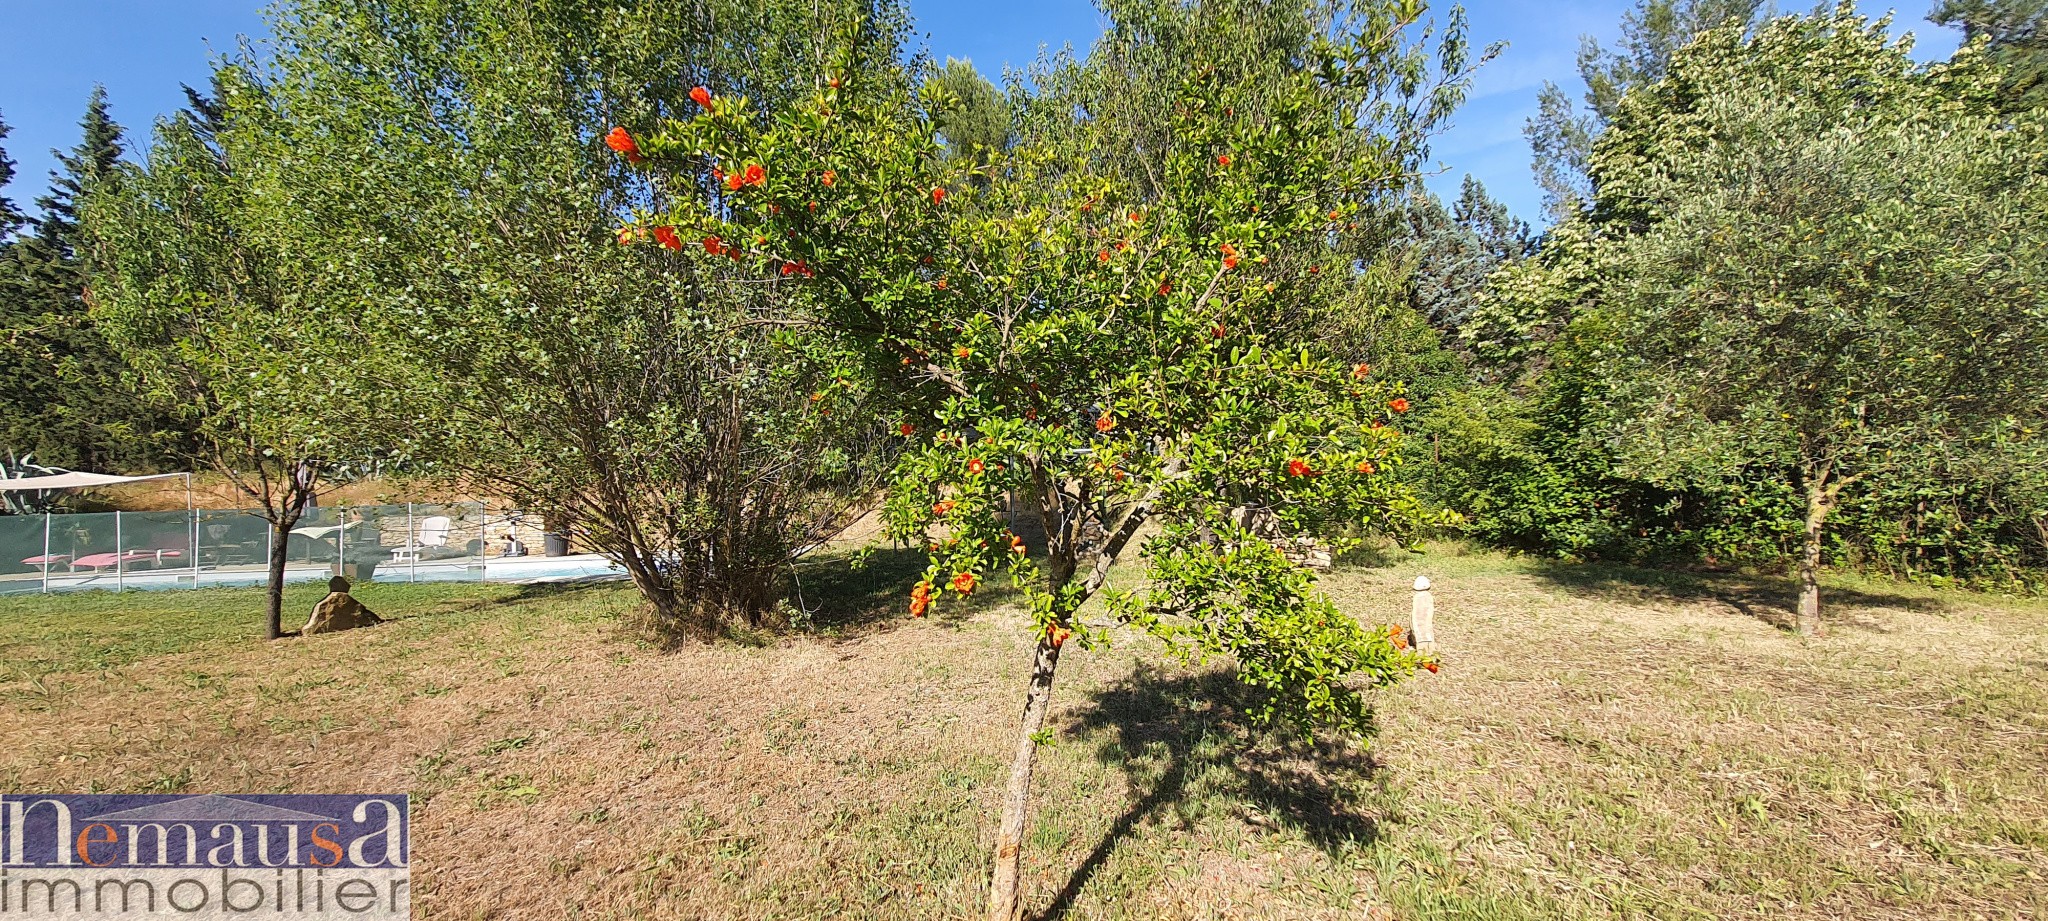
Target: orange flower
[
  {"x": 1361, "y": 372},
  {"x": 943, "y": 507},
  {"x": 1136, "y": 217},
  {"x": 622, "y": 142},
  {"x": 1431, "y": 666},
  {"x": 1165, "y": 288},
  {"x": 1298, "y": 467},
  {"x": 734, "y": 181},
  {"x": 625, "y": 236},
  {"x": 1102, "y": 256},
  {"x": 714, "y": 246},
  {"x": 1222, "y": 159},
  {"x": 964, "y": 583},
  {"x": 830, "y": 177},
  {"x": 756, "y": 174},
  {"x": 1218, "y": 331},
  {"x": 1333, "y": 214},
  {"x": 920, "y": 599},
  {"x": 1227, "y": 249},
  {"x": 1398, "y": 404},
  {"x": 666, "y": 236},
  {"x": 1364, "y": 467},
  {"x": 962, "y": 352},
  {"x": 1058, "y": 635},
  {"x": 1399, "y": 639},
  {"x": 1016, "y": 544},
  {"x": 701, "y": 96},
  {"x": 938, "y": 196},
  {"x": 1104, "y": 422},
  {"x": 1315, "y": 269},
  {"x": 940, "y": 284},
  {"x": 1229, "y": 262},
  {"x": 974, "y": 466},
  {"x": 905, "y": 429}
]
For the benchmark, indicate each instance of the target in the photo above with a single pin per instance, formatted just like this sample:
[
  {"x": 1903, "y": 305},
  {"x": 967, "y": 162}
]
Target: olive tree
[{"x": 1817, "y": 254}]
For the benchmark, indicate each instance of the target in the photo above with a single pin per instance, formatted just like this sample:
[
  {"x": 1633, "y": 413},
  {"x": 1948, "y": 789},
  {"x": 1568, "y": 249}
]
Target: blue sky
[{"x": 53, "y": 51}]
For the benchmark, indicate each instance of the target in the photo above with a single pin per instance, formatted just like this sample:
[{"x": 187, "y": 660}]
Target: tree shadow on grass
[
  {"x": 847, "y": 594},
  {"x": 1772, "y": 599},
  {"x": 1186, "y": 741}
]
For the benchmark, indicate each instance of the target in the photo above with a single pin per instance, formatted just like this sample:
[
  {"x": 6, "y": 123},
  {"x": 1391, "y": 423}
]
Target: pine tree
[
  {"x": 61, "y": 395},
  {"x": 11, "y": 218}
]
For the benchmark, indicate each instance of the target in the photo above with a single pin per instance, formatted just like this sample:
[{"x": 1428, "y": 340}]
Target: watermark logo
[{"x": 208, "y": 856}]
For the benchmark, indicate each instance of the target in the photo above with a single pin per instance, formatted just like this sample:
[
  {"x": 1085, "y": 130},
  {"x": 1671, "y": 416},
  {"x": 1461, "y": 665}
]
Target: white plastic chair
[{"x": 433, "y": 533}]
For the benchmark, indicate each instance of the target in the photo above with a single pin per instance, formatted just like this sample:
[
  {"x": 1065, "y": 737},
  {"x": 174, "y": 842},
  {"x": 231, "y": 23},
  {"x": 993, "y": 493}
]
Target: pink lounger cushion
[{"x": 103, "y": 560}]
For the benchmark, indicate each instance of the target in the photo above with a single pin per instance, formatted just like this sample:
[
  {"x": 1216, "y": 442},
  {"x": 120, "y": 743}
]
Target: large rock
[{"x": 339, "y": 611}]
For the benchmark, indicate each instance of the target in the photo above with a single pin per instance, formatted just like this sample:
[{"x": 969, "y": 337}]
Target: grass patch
[
  {"x": 99, "y": 630},
  {"x": 1603, "y": 743}
]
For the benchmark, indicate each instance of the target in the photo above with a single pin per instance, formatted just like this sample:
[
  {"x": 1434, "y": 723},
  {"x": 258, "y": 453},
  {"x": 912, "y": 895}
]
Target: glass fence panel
[
  {"x": 445, "y": 544},
  {"x": 83, "y": 551},
  {"x": 234, "y": 546},
  {"x": 22, "y": 562},
  {"x": 316, "y": 540},
  {"x": 156, "y": 550},
  {"x": 421, "y": 542}
]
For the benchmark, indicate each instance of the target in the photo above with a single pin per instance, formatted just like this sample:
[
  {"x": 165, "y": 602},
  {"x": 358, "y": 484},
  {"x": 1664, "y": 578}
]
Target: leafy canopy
[{"x": 1116, "y": 347}]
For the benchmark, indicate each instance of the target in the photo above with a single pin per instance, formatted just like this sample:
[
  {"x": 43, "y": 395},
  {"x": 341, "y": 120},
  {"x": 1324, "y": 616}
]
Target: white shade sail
[{"x": 75, "y": 480}]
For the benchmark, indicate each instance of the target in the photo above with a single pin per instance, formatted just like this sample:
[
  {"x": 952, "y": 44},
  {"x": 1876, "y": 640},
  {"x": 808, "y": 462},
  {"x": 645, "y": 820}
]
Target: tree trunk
[
  {"x": 1004, "y": 897},
  {"x": 1005, "y": 900},
  {"x": 1818, "y": 499},
  {"x": 280, "y": 545}
]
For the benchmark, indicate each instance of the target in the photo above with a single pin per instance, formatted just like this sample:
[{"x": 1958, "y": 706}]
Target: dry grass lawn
[{"x": 1604, "y": 742}]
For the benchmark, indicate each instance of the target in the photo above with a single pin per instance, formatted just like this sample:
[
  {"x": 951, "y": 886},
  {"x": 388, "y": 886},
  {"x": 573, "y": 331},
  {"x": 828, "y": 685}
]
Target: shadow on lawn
[
  {"x": 1184, "y": 740},
  {"x": 844, "y": 594},
  {"x": 1771, "y": 599}
]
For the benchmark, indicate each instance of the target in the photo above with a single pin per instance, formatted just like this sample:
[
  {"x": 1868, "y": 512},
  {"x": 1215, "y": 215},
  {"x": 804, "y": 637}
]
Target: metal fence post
[
  {"x": 412, "y": 540},
  {"x": 483, "y": 543},
  {"x": 46, "y": 551},
  {"x": 192, "y": 541},
  {"x": 341, "y": 543},
  {"x": 120, "y": 556}
]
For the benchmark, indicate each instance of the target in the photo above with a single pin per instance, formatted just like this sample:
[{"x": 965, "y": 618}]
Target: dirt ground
[{"x": 1603, "y": 742}]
